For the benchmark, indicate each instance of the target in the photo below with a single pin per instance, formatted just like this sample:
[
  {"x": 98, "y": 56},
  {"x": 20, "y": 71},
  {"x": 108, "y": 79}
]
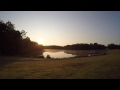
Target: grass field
[{"x": 95, "y": 67}]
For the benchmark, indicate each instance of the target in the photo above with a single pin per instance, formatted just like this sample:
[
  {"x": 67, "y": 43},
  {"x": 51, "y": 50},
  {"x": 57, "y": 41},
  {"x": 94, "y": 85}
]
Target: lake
[{"x": 56, "y": 53}]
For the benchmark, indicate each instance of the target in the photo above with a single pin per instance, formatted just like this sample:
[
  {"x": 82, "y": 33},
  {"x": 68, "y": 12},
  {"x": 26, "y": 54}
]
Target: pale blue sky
[{"x": 67, "y": 27}]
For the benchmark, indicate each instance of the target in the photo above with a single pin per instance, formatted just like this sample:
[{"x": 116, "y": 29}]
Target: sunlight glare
[{"x": 40, "y": 42}]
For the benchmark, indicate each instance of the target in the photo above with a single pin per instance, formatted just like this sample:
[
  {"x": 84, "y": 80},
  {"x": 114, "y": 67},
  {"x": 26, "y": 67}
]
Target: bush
[{"x": 48, "y": 56}]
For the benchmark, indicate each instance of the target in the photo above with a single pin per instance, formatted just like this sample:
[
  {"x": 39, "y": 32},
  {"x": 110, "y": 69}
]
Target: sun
[{"x": 40, "y": 42}]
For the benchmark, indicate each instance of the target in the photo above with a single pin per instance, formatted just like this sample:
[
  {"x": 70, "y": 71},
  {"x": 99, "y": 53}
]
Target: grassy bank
[{"x": 95, "y": 67}]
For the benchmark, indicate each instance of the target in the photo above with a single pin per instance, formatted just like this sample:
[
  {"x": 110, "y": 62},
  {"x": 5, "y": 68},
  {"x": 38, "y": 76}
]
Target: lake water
[
  {"x": 55, "y": 53},
  {"x": 60, "y": 54}
]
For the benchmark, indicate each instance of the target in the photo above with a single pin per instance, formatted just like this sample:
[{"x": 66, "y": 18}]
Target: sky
[{"x": 67, "y": 27}]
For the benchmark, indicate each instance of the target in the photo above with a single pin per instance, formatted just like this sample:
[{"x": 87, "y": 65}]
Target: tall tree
[{"x": 15, "y": 42}]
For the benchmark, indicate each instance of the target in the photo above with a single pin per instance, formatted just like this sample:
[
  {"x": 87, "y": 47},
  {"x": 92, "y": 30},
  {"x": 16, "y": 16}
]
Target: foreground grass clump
[{"x": 95, "y": 67}]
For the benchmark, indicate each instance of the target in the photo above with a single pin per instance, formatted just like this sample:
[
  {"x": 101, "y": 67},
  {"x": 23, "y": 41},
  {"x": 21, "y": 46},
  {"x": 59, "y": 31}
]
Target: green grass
[{"x": 95, "y": 67}]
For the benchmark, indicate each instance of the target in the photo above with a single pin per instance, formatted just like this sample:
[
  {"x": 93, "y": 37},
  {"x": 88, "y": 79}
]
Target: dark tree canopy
[
  {"x": 80, "y": 46},
  {"x": 15, "y": 42},
  {"x": 113, "y": 46}
]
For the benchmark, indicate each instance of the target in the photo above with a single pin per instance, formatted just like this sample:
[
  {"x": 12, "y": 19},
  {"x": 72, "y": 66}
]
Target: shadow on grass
[{"x": 6, "y": 60}]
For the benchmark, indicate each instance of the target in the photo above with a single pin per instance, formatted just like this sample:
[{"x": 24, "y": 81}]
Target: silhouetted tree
[
  {"x": 10, "y": 25},
  {"x": 53, "y": 47},
  {"x": 113, "y": 46},
  {"x": 77, "y": 46},
  {"x": 14, "y": 42},
  {"x": 23, "y": 34},
  {"x": 82, "y": 46}
]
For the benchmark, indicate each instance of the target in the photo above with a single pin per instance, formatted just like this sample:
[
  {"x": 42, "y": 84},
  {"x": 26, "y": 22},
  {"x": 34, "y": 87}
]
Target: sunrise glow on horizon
[{"x": 67, "y": 27}]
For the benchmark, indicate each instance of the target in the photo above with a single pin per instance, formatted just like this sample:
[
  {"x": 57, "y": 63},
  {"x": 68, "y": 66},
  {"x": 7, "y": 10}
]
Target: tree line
[
  {"x": 79, "y": 46},
  {"x": 15, "y": 42},
  {"x": 53, "y": 47},
  {"x": 82, "y": 46},
  {"x": 113, "y": 46}
]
